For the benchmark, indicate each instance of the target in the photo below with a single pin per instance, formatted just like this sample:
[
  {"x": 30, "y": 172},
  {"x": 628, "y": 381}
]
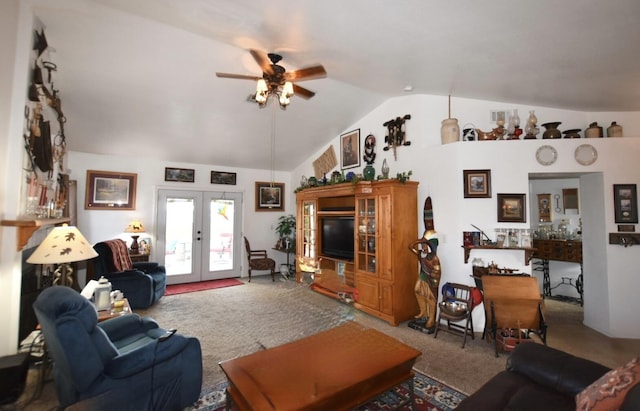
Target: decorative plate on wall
[
  {"x": 586, "y": 154},
  {"x": 546, "y": 155}
]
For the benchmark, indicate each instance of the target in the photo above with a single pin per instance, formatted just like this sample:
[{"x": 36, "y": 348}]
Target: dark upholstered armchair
[
  {"x": 126, "y": 362},
  {"x": 258, "y": 260},
  {"x": 143, "y": 283}
]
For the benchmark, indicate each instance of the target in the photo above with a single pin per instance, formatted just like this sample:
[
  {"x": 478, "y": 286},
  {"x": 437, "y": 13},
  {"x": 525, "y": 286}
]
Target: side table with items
[
  {"x": 136, "y": 258},
  {"x": 117, "y": 309}
]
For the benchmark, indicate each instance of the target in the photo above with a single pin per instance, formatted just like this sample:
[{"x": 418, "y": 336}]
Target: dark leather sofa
[{"x": 538, "y": 377}]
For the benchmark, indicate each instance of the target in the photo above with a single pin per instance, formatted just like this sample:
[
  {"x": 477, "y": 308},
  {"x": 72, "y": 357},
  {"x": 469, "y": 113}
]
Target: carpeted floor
[
  {"x": 236, "y": 321},
  {"x": 429, "y": 395},
  {"x": 201, "y": 286}
]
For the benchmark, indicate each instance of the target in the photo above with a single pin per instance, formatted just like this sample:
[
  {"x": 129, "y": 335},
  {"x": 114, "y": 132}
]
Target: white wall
[
  {"x": 15, "y": 42},
  {"x": 100, "y": 225},
  {"x": 439, "y": 168}
]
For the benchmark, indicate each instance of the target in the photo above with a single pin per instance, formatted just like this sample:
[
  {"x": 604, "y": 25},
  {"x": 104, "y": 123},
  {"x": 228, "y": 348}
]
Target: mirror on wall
[
  {"x": 544, "y": 208},
  {"x": 570, "y": 199}
]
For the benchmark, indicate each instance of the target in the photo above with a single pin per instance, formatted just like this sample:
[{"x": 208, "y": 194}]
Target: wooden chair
[
  {"x": 258, "y": 260},
  {"x": 456, "y": 306}
]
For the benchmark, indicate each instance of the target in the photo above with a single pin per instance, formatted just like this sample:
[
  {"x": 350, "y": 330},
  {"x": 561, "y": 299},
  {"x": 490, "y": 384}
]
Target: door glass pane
[
  {"x": 179, "y": 235},
  {"x": 221, "y": 234}
]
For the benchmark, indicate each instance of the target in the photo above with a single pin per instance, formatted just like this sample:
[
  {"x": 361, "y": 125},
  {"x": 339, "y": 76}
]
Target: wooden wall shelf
[
  {"x": 528, "y": 251},
  {"x": 26, "y": 227}
]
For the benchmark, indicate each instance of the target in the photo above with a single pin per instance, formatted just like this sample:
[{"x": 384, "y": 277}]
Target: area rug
[
  {"x": 200, "y": 286},
  {"x": 430, "y": 395}
]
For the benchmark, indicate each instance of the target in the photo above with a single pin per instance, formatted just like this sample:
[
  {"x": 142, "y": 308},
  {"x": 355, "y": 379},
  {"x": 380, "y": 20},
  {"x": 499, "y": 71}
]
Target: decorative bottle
[
  {"x": 614, "y": 130},
  {"x": 385, "y": 169}
]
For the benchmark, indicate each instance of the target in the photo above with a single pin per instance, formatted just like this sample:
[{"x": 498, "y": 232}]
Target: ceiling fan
[{"x": 276, "y": 81}]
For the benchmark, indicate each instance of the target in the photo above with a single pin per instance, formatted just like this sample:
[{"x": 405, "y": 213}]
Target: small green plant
[
  {"x": 404, "y": 176},
  {"x": 286, "y": 226}
]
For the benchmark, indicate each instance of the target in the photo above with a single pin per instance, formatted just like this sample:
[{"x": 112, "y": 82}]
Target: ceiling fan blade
[
  {"x": 263, "y": 61},
  {"x": 303, "y": 92},
  {"x": 307, "y": 73},
  {"x": 237, "y": 76}
]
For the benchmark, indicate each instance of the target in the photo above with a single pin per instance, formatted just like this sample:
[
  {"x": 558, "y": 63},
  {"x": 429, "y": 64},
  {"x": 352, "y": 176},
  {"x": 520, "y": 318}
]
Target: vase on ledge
[
  {"x": 369, "y": 173},
  {"x": 551, "y": 130}
]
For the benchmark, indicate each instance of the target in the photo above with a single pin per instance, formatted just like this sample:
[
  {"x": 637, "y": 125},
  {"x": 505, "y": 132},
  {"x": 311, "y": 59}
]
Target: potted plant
[{"x": 286, "y": 229}]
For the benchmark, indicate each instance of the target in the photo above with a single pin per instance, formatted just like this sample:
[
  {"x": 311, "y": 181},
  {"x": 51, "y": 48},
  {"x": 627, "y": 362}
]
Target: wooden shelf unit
[
  {"x": 384, "y": 269},
  {"x": 528, "y": 251},
  {"x": 26, "y": 227}
]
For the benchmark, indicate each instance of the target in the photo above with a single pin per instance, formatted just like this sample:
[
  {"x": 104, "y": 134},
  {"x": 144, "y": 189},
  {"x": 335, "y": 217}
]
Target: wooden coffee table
[{"x": 337, "y": 369}]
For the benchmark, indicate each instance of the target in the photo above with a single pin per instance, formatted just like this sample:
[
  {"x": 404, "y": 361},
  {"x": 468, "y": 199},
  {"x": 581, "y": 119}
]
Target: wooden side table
[
  {"x": 104, "y": 315},
  {"x": 136, "y": 258}
]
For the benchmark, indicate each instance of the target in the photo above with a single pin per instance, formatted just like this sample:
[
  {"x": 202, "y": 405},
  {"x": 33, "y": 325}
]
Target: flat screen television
[{"x": 337, "y": 237}]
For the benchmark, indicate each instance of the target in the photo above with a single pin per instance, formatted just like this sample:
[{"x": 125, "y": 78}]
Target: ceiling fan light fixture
[
  {"x": 262, "y": 92},
  {"x": 284, "y": 101},
  {"x": 287, "y": 89}
]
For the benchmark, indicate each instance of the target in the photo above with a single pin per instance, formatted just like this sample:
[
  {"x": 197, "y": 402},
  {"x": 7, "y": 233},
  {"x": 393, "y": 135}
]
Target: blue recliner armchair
[
  {"x": 143, "y": 283},
  {"x": 125, "y": 363}
]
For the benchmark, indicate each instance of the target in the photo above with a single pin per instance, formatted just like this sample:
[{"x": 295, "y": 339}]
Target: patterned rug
[
  {"x": 430, "y": 395},
  {"x": 201, "y": 286}
]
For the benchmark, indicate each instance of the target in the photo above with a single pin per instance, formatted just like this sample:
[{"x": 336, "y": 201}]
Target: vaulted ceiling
[{"x": 138, "y": 77}]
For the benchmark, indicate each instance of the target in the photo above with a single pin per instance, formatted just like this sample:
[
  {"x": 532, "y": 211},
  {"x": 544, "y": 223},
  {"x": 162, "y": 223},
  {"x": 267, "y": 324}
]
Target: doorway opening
[{"x": 563, "y": 217}]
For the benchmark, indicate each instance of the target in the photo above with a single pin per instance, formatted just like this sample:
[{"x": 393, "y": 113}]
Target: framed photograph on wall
[
  {"x": 183, "y": 175},
  {"x": 350, "y": 149},
  {"x": 223, "y": 177},
  {"x": 108, "y": 190},
  {"x": 625, "y": 201},
  {"x": 512, "y": 208},
  {"x": 477, "y": 183},
  {"x": 269, "y": 196}
]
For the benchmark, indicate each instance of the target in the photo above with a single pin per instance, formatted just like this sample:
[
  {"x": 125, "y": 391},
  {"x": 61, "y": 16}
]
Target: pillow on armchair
[{"x": 143, "y": 283}]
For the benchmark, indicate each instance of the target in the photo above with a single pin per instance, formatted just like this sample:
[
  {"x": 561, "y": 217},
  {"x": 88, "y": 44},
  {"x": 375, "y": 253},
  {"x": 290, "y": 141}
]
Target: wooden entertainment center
[{"x": 383, "y": 271}]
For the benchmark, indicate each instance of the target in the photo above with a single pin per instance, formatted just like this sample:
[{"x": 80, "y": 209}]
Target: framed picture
[
  {"x": 223, "y": 177},
  {"x": 350, "y": 149},
  {"x": 269, "y": 196},
  {"x": 625, "y": 201},
  {"x": 183, "y": 175},
  {"x": 108, "y": 190},
  {"x": 477, "y": 183},
  {"x": 512, "y": 208},
  {"x": 144, "y": 245}
]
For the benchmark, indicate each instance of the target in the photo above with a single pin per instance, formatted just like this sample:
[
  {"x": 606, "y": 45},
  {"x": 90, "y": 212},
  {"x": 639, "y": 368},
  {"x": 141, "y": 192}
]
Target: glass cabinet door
[
  {"x": 308, "y": 235},
  {"x": 366, "y": 235}
]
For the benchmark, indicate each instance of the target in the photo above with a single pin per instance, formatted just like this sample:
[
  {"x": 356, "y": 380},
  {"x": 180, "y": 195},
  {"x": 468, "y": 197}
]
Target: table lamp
[
  {"x": 64, "y": 244},
  {"x": 135, "y": 227}
]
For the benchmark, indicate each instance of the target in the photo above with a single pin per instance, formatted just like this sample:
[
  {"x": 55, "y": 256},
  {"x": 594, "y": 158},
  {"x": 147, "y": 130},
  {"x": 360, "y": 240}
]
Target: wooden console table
[
  {"x": 569, "y": 251},
  {"x": 337, "y": 369}
]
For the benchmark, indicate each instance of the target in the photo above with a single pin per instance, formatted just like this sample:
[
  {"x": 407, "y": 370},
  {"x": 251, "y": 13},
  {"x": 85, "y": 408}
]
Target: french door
[{"x": 199, "y": 234}]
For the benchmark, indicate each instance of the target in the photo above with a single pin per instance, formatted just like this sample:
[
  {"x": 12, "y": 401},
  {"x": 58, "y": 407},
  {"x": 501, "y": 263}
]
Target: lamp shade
[
  {"x": 64, "y": 244},
  {"x": 134, "y": 227}
]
